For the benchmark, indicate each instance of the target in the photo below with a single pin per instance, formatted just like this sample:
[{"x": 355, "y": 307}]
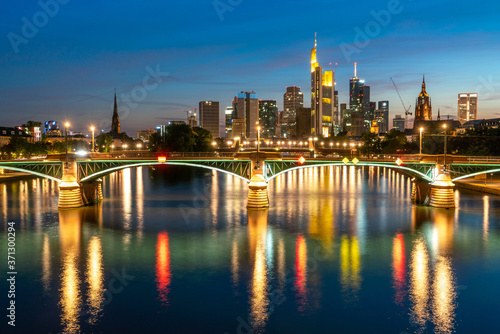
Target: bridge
[{"x": 80, "y": 182}]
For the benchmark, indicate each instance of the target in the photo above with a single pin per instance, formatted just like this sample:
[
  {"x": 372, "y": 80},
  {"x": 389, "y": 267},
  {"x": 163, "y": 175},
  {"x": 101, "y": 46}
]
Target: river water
[{"x": 174, "y": 250}]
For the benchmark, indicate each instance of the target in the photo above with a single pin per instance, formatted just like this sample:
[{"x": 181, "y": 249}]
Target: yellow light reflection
[
  {"x": 419, "y": 283},
  {"x": 95, "y": 279},
  {"x": 46, "y": 265},
  {"x": 235, "y": 267},
  {"x": 350, "y": 267},
  {"x": 259, "y": 301},
  {"x": 486, "y": 217},
  {"x": 444, "y": 296},
  {"x": 70, "y": 295}
]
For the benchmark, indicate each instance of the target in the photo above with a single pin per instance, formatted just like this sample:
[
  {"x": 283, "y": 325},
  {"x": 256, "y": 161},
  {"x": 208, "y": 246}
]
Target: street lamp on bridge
[
  {"x": 444, "y": 126},
  {"x": 66, "y": 126},
  {"x": 421, "y": 130},
  {"x": 92, "y": 128}
]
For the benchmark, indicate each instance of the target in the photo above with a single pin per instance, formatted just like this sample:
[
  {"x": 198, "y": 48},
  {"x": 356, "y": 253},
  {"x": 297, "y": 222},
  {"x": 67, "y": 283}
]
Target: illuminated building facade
[
  {"x": 356, "y": 92},
  {"x": 209, "y": 117},
  {"x": 467, "y": 107},
  {"x": 246, "y": 106},
  {"x": 292, "y": 100},
  {"x": 238, "y": 128},
  {"x": 382, "y": 116},
  {"x": 228, "y": 113},
  {"x": 423, "y": 107},
  {"x": 268, "y": 118},
  {"x": 322, "y": 97}
]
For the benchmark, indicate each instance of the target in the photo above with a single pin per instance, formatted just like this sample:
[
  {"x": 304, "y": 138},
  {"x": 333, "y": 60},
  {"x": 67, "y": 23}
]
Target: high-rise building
[
  {"x": 322, "y": 97},
  {"x": 345, "y": 115},
  {"x": 52, "y": 129},
  {"x": 398, "y": 123},
  {"x": 292, "y": 100},
  {"x": 356, "y": 92},
  {"x": 423, "y": 106},
  {"x": 303, "y": 125},
  {"x": 467, "y": 107},
  {"x": 358, "y": 124},
  {"x": 228, "y": 116},
  {"x": 209, "y": 117},
  {"x": 246, "y": 106},
  {"x": 382, "y": 116},
  {"x": 238, "y": 127},
  {"x": 268, "y": 118},
  {"x": 115, "y": 123}
]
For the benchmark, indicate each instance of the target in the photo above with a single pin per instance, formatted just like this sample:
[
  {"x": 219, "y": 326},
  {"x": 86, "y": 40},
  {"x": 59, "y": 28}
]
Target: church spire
[
  {"x": 115, "y": 123},
  {"x": 439, "y": 115},
  {"x": 423, "y": 83}
]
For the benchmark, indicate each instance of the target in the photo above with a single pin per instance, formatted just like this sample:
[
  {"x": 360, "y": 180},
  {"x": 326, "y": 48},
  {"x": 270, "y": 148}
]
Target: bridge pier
[
  {"x": 92, "y": 192},
  {"x": 438, "y": 194},
  {"x": 257, "y": 188},
  {"x": 70, "y": 195}
]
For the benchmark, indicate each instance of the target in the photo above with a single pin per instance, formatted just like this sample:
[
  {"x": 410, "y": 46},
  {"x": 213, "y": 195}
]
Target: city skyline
[{"x": 65, "y": 72}]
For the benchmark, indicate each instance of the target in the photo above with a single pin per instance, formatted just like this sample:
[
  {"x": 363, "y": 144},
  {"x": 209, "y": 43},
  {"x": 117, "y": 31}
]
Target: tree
[
  {"x": 179, "y": 138},
  {"x": 103, "y": 142},
  {"x": 371, "y": 143},
  {"x": 202, "y": 140},
  {"x": 30, "y": 124},
  {"x": 395, "y": 142}
]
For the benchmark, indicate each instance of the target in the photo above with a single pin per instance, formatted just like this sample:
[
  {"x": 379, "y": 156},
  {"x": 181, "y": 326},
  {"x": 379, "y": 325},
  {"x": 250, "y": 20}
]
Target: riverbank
[{"x": 490, "y": 186}]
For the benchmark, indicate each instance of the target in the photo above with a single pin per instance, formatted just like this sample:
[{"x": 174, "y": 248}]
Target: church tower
[
  {"x": 115, "y": 125},
  {"x": 423, "y": 107}
]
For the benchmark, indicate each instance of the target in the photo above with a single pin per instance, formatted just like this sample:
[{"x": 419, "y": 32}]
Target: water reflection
[
  {"x": 350, "y": 267},
  {"x": 432, "y": 290},
  {"x": 95, "y": 279},
  {"x": 301, "y": 273},
  {"x": 163, "y": 273},
  {"x": 259, "y": 302},
  {"x": 70, "y": 294},
  {"x": 399, "y": 268},
  {"x": 46, "y": 263}
]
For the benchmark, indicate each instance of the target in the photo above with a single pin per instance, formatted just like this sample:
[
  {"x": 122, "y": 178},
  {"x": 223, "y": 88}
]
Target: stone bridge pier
[
  {"x": 257, "y": 188},
  {"x": 73, "y": 194},
  {"x": 438, "y": 194}
]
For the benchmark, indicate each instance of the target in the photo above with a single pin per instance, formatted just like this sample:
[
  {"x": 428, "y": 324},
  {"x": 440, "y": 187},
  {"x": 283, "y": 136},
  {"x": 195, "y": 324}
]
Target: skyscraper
[
  {"x": 115, "y": 123},
  {"x": 467, "y": 107},
  {"x": 246, "y": 106},
  {"x": 423, "y": 107},
  {"x": 228, "y": 116},
  {"x": 322, "y": 97},
  {"x": 356, "y": 91},
  {"x": 268, "y": 118},
  {"x": 209, "y": 117},
  {"x": 292, "y": 100},
  {"x": 382, "y": 116},
  {"x": 303, "y": 125}
]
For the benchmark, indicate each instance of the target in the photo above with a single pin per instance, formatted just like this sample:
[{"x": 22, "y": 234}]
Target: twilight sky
[{"x": 62, "y": 59}]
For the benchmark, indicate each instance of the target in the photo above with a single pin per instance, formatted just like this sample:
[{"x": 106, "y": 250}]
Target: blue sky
[{"x": 68, "y": 68}]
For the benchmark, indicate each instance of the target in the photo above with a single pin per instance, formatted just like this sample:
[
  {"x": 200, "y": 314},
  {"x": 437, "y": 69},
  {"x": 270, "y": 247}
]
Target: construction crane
[
  {"x": 407, "y": 110},
  {"x": 187, "y": 114}
]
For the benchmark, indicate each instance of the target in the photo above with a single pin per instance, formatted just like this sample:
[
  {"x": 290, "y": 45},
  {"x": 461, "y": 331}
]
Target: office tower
[
  {"x": 115, "y": 122},
  {"x": 268, "y": 118},
  {"x": 292, "y": 100},
  {"x": 368, "y": 109},
  {"x": 238, "y": 128},
  {"x": 322, "y": 97},
  {"x": 382, "y": 116},
  {"x": 423, "y": 107},
  {"x": 467, "y": 107},
  {"x": 246, "y": 106},
  {"x": 209, "y": 117},
  {"x": 303, "y": 126},
  {"x": 356, "y": 91},
  {"x": 345, "y": 114},
  {"x": 228, "y": 116},
  {"x": 398, "y": 123}
]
